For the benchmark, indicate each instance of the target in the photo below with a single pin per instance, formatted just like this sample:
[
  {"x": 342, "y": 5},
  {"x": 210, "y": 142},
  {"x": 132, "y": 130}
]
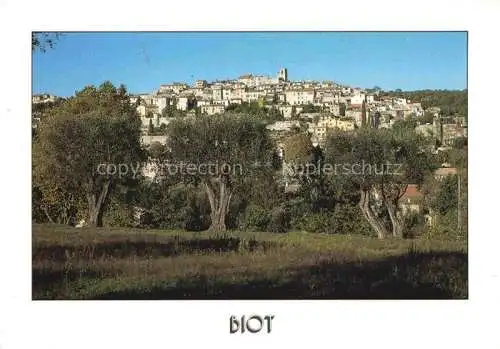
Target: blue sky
[{"x": 143, "y": 61}]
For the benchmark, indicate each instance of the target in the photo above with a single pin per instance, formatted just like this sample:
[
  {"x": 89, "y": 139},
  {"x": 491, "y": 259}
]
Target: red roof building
[{"x": 412, "y": 193}]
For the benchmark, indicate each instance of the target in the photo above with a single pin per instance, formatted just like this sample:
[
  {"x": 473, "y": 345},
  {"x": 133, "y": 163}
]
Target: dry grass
[{"x": 70, "y": 263}]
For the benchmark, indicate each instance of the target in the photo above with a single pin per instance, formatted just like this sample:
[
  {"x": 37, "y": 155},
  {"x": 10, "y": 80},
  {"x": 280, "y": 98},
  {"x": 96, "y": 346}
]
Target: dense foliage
[
  {"x": 256, "y": 109},
  {"x": 75, "y": 147}
]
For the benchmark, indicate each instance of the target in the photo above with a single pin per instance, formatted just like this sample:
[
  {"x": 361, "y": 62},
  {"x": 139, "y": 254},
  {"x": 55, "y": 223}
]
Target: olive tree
[
  {"x": 81, "y": 146},
  {"x": 224, "y": 153},
  {"x": 380, "y": 164}
]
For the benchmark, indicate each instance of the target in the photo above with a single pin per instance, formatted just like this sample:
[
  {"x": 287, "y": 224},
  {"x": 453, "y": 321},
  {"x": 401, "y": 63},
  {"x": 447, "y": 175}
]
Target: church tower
[{"x": 283, "y": 75}]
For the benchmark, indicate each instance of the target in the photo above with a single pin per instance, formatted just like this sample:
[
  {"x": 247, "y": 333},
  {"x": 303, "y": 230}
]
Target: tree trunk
[
  {"x": 95, "y": 220},
  {"x": 48, "y": 215},
  {"x": 375, "y": 222},
  {"x": 96, "y": 205},
  {"x": 391, "y": 195},
  {"x": 396, "y": 219},
  {"x": 219, "y": 205}
]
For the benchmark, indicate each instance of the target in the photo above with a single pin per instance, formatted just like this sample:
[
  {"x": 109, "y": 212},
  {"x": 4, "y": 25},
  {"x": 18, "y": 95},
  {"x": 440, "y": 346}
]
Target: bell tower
[{"x": 283, "y": 74}]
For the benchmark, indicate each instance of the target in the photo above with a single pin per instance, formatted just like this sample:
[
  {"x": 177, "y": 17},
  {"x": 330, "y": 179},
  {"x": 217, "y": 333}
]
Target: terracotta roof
[
  {"x": 445, "y": 171},
  {"x": 412, "y": 192}
]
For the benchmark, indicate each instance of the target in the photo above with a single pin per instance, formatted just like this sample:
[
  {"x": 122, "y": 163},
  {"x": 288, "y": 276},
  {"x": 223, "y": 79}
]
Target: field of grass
[{"x": 71, "y": 263}]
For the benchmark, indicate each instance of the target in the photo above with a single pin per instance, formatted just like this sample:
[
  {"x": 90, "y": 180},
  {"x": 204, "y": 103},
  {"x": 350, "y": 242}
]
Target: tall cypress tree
[
  {"x": 363, "y": 114},
  {"x": 151, "y": 127}
]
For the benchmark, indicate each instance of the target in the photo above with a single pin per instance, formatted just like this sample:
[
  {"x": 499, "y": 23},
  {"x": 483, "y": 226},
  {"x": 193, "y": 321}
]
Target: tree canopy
[
  {"x": 380, "y": 164},
  {"x": 222, "y": 152},
  {"x": 81, "y": 146},
  {"x": 43, "y": 40}
]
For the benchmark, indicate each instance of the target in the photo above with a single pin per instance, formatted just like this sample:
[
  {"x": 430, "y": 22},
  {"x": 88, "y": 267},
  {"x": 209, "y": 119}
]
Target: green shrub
[
  {"x": 349, "y": 220},
  {"x": 191, "y": 218},
  {"x": 177, "y": 206},
  {"x": 317, "y": 222},
  {"x": 235, "y": 218},
  {"x": 414, "y": 225},
  {"x": 119, "y": 210},
  {"x": 299, "y": 210},
  {"x": 446, "y": 227},
  {"x": 345, "y": 219},
  {"x": 257, "y": 217},
  {"x": 119, "y": 214},
  {"x": 280, "y": 220}
]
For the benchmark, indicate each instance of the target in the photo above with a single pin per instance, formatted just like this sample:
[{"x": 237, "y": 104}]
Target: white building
[
  {"x": 147, "y": 140},
  {"x": 300, "y": 97},
  {"x": 217, "y": 93},
  {"x": 354, "y": 114},
  {"x": 43, "y": 98},
  {"x": 175, "y": 87},
  {"x": 399, "y": 101},
  {"x": 252, "y": 95},
  {"x": 357, "y": 99},
  {"x": 283, "y": 125},
  {"x": 329, "y": 98},
  {"x": 161, "y": 102},
  {"x": 286, "y": 110},
  {"x": 335, "y": 109},
  {"x": 145, "y": 98},
  {"x": 237, "y": 93},
  {"x": 182, "y": 103},
  {"x": 257, "y": 80},
  {"x": 212, "y": 109},
  {"x": 201, "y": 83},
  {"x": 265, "y": 80},
  {"x": 246, "y": 80}
]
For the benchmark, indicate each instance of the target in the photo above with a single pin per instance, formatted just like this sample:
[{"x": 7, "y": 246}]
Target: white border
[{"x": 342, "y": 324}]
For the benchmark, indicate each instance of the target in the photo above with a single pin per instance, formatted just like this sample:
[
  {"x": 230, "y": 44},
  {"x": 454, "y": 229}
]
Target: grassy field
[{"x": 71, "y": 263}]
